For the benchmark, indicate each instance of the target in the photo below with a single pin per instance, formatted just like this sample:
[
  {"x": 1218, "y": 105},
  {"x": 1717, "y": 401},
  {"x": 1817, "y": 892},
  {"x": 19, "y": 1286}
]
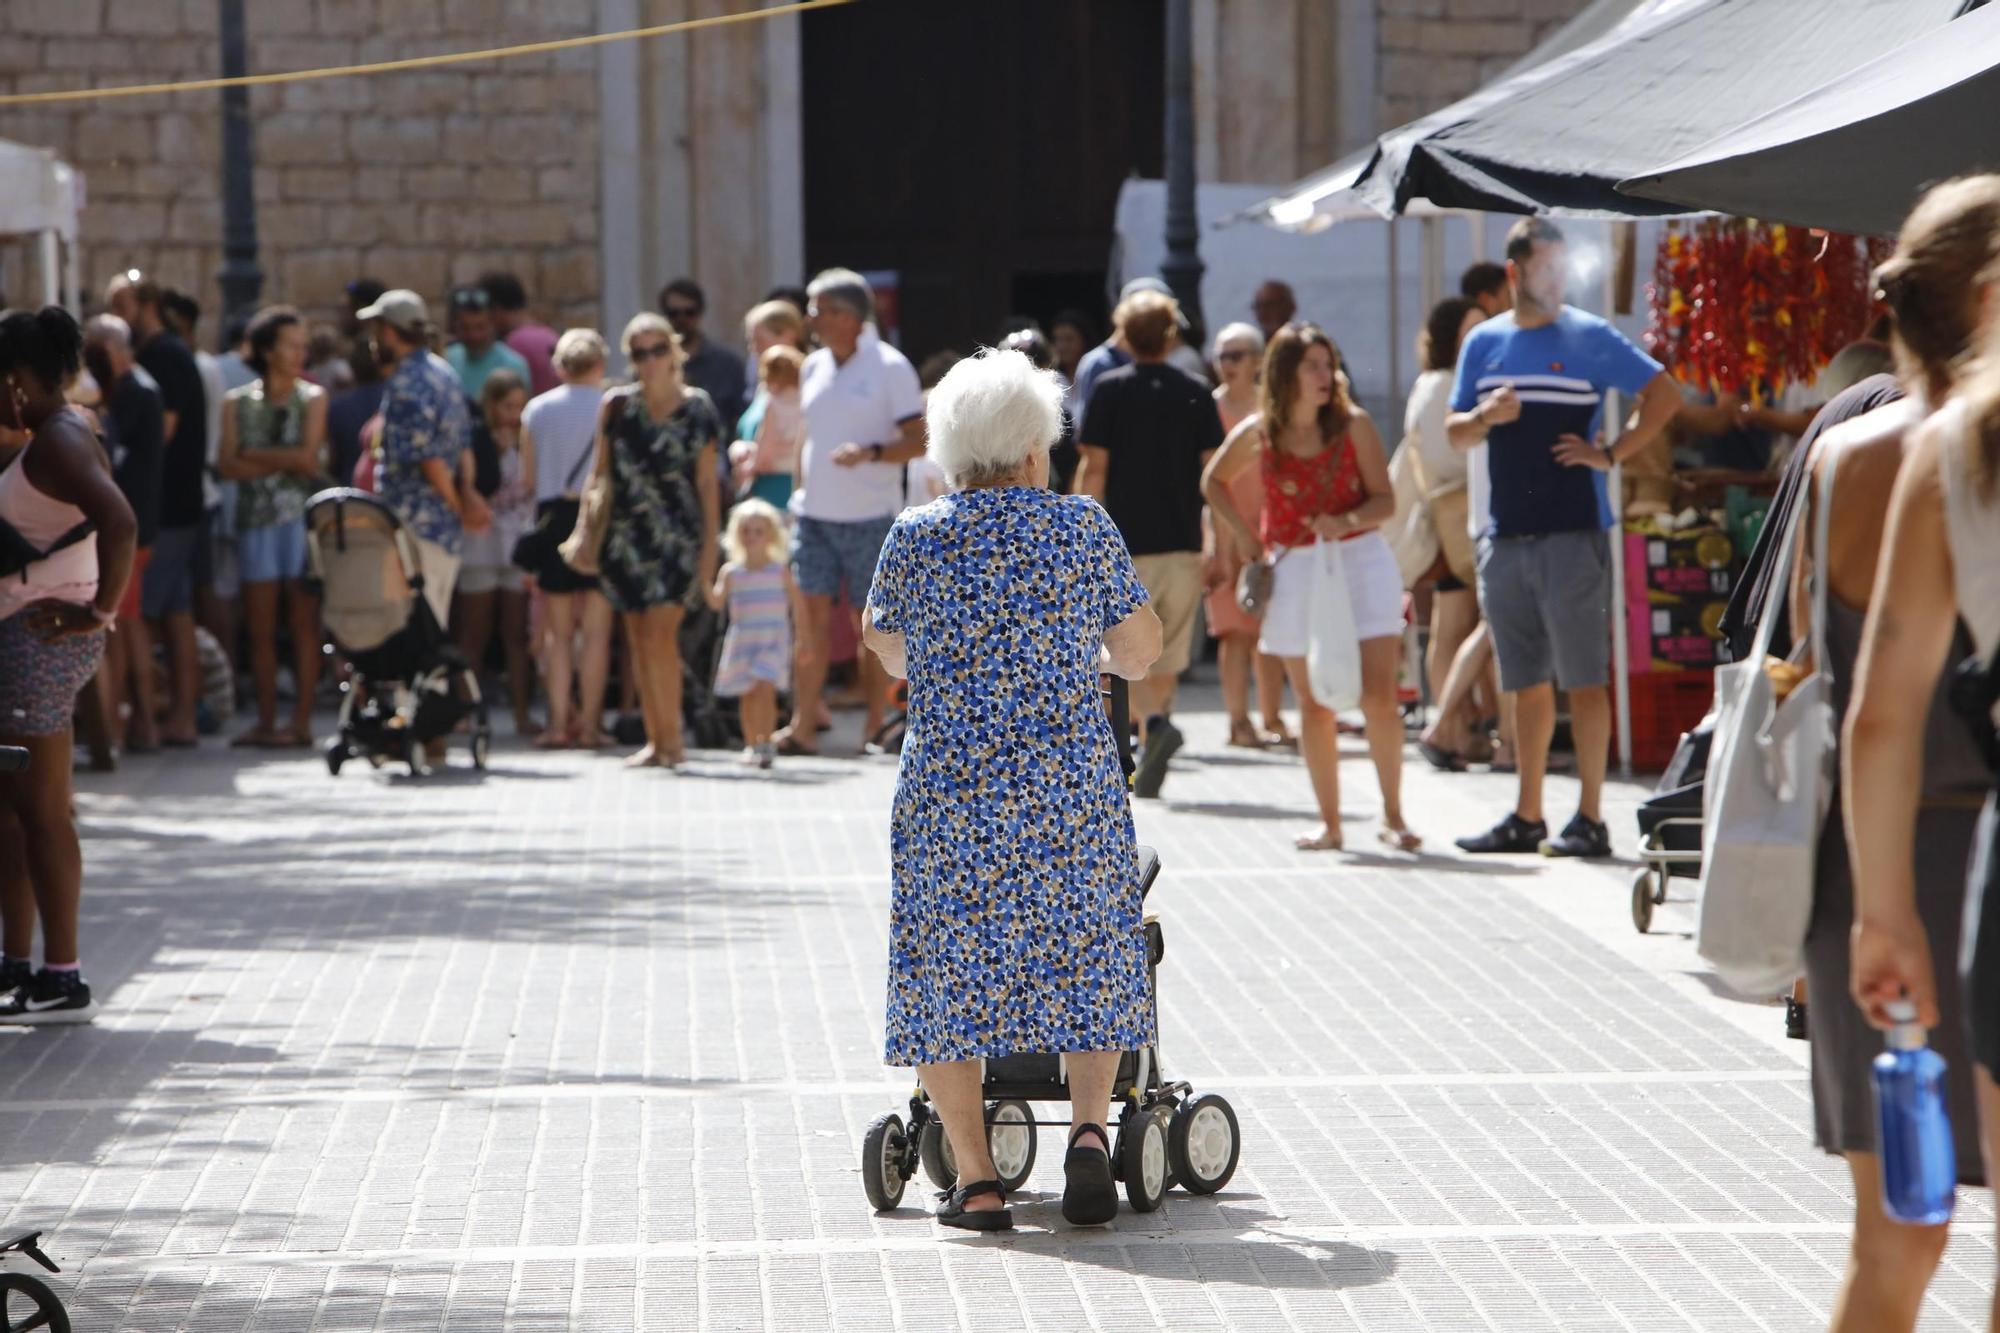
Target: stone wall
[
  {"x": 420, "y": 179},
  {"x": 1434, "y": 52}
]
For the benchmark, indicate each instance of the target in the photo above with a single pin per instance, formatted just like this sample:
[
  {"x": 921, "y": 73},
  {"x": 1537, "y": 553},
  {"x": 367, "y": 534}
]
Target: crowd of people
[{"x": 818, "y": 492}]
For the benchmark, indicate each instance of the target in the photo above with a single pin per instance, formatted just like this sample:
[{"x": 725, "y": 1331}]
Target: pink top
[
  {"x": 70, "y": 575},
  {"x": 780, "y": 433},
  {"x": 537, "y": 345}
]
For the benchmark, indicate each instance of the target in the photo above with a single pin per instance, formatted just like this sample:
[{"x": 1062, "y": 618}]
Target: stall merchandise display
[{"x": 1746, "y": 308}]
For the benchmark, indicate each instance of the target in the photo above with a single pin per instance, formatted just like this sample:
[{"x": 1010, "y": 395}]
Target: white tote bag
[
  {"x": 1770, "y": 777},
  {"x": 1333, "y": 645}
]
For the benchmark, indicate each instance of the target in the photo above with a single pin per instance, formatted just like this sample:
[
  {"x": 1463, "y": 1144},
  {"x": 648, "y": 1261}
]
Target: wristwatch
[{"x": 875, "y": 451}]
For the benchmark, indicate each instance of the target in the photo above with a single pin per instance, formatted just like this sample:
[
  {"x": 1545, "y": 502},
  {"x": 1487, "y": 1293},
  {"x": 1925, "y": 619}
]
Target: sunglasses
[
  {"x": 683, "y": 312},
  {"x": 1234, "y": 354},
  {"x": 639, "y": 356},
  {"x": 470, "y": 299}
]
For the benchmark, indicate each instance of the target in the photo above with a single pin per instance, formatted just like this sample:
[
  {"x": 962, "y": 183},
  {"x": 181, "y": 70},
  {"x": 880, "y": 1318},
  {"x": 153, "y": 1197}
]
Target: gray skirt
[{"x": 1843, "y": 1043}]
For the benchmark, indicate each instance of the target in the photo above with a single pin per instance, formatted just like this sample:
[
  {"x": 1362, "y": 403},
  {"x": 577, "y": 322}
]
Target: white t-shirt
[
  {"x": 1423, "y": 423},
  {"x": 862, "y": 402},
  {"x": 923, "y": 482},
  {"x": 563, "y": 425}
]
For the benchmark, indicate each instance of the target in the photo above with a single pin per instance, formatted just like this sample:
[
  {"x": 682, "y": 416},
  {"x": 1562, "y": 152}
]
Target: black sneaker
[
  {"x": 1163, "y": 742},
  {"x": 1580, "y": 837},
  {"x": 49, "y": 997},
  {"x": 1512, "y": 834},
  {"x": 14, "y": 974}
]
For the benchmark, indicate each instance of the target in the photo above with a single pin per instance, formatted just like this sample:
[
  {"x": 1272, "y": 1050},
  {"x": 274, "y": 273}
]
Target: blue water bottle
[{"x": 1919, "y": 1168}]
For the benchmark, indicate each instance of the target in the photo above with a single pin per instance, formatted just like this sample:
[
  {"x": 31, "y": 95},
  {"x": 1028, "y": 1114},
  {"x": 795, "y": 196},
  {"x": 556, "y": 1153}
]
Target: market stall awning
[
  {"x": 1330, "y": 196},
  {"x": 1853, "y": 155},
  {"x": 1559, "y": 137}
]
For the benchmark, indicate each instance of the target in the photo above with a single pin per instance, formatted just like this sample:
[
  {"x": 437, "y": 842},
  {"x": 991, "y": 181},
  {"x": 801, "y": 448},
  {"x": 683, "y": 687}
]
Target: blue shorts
[
  {"x": 170, "y": 575},
  {"x": 267, "y": 554},
  {"x": 1547, "y": 601},
  {"x": 827, "y": 556}
]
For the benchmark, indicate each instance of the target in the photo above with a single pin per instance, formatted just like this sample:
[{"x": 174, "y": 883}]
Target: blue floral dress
[{"x": 1015, "y": 923}]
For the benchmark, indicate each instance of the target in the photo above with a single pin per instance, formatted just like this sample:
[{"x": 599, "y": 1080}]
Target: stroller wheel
[
  {"x": 336, "y": 755},
  {"x": 1142, "y": 1158},
  {"x": 882, "y": 1162},
  {"x": 934, "y": 1151},
  {"x": 1643, "y": 900},
  {"x": 482, "y": 745},
  {"x": 1203, "y": 1144},
  {"x": 27, "y": 1302}
]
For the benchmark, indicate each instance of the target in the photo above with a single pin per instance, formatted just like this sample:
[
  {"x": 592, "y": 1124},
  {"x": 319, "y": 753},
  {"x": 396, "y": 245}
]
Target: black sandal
[
  {"x": 952, "y": 1211},
  {"x": 1090, "y": 1196}
]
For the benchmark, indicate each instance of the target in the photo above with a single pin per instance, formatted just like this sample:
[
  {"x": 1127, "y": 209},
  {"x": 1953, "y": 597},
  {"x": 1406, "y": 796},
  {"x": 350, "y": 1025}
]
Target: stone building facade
[{"x": 598, "y": 174}]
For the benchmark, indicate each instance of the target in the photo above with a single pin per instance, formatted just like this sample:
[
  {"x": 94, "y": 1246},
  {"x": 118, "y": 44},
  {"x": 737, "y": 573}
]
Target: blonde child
[
  {"x": 756, "y": 586},
  {"x": 765, "y": 467}
]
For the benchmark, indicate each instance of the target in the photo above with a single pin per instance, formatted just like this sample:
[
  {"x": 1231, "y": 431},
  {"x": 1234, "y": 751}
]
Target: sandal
[
  {"x": 790, "y": 747},
  {"x": 1243, "y": 735},
  {"x": 1090, "y": 1196},
  {"x": 1398, "y": 839},
  {"x": 952, "y": 1211},
  {"x": 1443, "y": 760},
  {"x": 1326, "y": 840}
]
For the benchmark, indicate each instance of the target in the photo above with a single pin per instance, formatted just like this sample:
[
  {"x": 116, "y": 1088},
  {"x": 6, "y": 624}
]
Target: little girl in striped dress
[{"x": 756, "y": 586}]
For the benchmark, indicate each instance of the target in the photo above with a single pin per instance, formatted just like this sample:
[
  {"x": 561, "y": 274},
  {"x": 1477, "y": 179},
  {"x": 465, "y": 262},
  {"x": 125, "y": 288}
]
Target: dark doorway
[{"x": 976, "y": 151}]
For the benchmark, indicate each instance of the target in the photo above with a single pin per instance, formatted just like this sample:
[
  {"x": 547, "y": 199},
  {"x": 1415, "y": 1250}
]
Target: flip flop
[
  {"x": 791, "y": 748},
  {"x": 1326, "y": 841}
]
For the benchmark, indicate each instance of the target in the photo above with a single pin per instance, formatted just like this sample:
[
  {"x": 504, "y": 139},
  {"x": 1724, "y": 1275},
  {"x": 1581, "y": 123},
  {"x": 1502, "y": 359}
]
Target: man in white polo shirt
[{"x": 864, "y": 421}]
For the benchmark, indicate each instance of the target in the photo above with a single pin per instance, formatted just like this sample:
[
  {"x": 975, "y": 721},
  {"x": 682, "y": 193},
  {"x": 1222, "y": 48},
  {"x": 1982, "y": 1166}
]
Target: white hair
[
  {"x": 1240, "y": 332},
  {"x": 990, "y": 414},
  {"x": 108, "y": 329}
]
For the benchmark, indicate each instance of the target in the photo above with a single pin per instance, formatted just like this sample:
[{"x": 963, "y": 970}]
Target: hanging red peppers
[{"x": 1746, "y": 308}]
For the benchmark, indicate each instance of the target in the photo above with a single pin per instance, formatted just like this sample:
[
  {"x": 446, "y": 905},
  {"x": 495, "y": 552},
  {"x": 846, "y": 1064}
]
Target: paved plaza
[{"x": 570, "y": 1047}]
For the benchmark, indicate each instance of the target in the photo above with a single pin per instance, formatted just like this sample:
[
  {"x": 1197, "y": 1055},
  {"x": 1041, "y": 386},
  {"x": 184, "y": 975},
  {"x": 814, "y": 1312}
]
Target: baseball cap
[
  {"x": 1159, "y": 286},
  {"x": 400, "y": 307}
]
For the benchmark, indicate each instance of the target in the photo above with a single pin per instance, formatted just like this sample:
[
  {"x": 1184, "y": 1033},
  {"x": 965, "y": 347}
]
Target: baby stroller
[
  {"x": 1166, "y": 1135},
  {"x": 409, "y": 684},
  {"x": 1670, "y": 824}
]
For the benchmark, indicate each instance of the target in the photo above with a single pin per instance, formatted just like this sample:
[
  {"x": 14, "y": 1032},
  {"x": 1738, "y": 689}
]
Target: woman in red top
[{"x": 1326, "y": 478}]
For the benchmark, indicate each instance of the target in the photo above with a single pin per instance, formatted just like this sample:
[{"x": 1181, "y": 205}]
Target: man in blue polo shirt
[{"x": 1531, "y": 386}]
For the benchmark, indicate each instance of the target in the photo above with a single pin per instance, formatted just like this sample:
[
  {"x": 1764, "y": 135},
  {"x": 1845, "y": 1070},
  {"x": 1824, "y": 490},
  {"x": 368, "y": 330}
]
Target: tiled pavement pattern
[{"x": 575, "y": 1048}]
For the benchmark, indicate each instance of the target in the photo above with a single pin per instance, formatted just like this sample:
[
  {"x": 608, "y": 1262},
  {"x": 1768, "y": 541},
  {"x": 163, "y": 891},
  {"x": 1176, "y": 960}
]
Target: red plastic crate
[{"x": 1666, "y": 705}]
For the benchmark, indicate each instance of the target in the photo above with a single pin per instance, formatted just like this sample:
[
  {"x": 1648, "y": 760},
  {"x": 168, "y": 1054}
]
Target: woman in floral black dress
[{"x": 658, "y": 441}]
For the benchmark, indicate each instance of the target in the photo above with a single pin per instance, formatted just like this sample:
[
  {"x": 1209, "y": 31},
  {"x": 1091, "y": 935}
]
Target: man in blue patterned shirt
[{"x": 426, "y": 430}]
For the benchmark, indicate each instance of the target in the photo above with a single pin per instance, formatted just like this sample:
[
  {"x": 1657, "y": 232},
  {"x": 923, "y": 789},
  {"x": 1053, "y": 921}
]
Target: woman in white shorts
[
  {"x": 1326, "y": 478},
  {"x": 488, "y": 581}
]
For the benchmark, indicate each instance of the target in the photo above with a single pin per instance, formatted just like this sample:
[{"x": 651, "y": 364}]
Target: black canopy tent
[
  {"x": 1559, "y": 137},
  {"x": 1853, "y": 155}
]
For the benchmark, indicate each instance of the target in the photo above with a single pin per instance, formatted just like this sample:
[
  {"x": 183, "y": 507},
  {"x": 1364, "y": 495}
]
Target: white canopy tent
[{"x": 42, "y": 201}]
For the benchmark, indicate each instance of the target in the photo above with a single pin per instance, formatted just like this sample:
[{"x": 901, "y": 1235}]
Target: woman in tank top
[
  {"x": 1326, "y": 478},
  {"x": 1941, "y": 565},
  {"x": 1932, "y": 290},
  {"x": 53, "y": 614}
]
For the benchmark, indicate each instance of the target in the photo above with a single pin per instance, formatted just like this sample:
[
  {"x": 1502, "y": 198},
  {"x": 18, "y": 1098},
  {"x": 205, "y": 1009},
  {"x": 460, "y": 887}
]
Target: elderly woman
[
  {"x": 70, "y": 539},
  {"x": 1015, "y": 923},
  {"x": 657, "y": 442}
]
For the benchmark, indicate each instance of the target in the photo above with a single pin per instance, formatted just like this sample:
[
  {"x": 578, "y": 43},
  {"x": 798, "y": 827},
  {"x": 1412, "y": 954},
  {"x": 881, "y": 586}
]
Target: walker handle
[
  {"x": 13, "y": 759},
  {"x": 1119, "y": 692}
]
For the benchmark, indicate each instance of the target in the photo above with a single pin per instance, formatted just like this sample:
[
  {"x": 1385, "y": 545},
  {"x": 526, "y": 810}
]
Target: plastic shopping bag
[{"x": 1333, "y": 651}]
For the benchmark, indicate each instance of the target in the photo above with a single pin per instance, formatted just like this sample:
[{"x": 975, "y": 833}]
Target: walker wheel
[
  {"x": 336, "y": 755},
  {"x": 1010, "y": 1140},
  {"x": 1203, "y": 1144},
  {"x": 1142, "y": 1158},
  {"x": 27, "y": 1303},
  {"x": 1643, "y": 900},
  {"x": 482, "y": 746},
  {"x": 934, "y": 1151},
  {"x": 882, "y": 1162}
]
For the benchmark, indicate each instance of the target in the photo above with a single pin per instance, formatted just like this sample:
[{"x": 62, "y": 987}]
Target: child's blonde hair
[
  {"x": 732, "y": 537},
  {"x": 780, "y": 366}
]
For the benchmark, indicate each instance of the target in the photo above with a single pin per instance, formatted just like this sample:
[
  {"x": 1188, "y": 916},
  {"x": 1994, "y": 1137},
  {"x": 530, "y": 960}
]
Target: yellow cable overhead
[{"x": 415, "y": 62}]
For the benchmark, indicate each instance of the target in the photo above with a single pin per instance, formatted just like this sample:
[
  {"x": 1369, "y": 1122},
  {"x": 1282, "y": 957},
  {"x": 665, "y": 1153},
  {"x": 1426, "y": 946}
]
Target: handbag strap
[
  {"x": 1781, "y": 584},
  {"x": 569, "y": 482}
]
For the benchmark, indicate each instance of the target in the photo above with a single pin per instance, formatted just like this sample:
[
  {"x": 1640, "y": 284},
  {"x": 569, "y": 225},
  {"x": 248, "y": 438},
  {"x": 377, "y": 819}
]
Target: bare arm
[
  {"x": 1903, "y": 650},
  {"x": 1133, "y": 644},
  {"x": 1237, "y": 456},
  {"x": 1659, "y": 403},
  {"x": 1373, "y": 461},
  {"x": 1092, "y": 468},
  {"x": 309, "y": 459},
  {"x": 710, "y": 490},
  {"x": 1467, "y": 430},
  {"x": 1780, "y": 420},
  {"x": 890, "y": 648},
  {"x": 718, "y": 592}
]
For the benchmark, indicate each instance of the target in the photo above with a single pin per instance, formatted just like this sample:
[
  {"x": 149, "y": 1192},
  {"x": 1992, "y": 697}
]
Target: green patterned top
[{"x": 278, "y": 497}]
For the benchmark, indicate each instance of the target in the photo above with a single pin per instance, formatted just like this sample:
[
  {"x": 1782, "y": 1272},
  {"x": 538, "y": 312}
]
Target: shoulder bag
[
  {"x": 1770, "y": 779},
  {"x": 536, "y": 547},
  {"x": 585, "y": 545}
]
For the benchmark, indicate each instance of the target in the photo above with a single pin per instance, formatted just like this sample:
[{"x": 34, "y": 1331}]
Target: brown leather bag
[
  {"x": 584, "y": 546},
  {"x": 1253, "y": 584}
]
